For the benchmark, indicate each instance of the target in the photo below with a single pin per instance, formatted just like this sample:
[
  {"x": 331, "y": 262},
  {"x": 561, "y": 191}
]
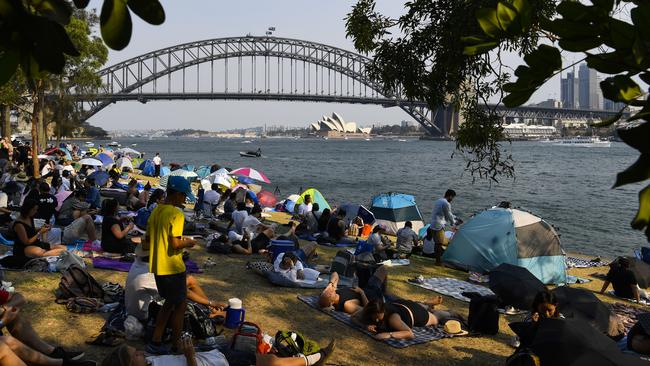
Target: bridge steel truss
[{"x": 291, "y": 69}]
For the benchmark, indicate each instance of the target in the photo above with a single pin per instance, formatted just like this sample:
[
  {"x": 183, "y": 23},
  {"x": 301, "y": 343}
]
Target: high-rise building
[
  {"x": 609, "y": 105},
  {"x": 588, "y": 91},
  {"x": 569, "y": 91}
]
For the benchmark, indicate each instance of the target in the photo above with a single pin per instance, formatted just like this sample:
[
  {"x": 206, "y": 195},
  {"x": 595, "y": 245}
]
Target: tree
[{"x": 449, "y": 51}]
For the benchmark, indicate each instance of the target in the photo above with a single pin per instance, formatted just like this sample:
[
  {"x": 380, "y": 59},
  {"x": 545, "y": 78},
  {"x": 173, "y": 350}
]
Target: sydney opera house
[{"x": 335, "y": 126}]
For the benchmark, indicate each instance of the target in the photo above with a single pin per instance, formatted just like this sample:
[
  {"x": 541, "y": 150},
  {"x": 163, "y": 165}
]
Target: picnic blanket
[
  {"x": 642, "y": 301},
  {"x": 115, "y": 264},
  {"x": 422, "y": 334},
  {"x": 452, "y": 287},
  {"x": 627, "y": 313},
  {"x": 572, "y": 262},
  {"x": 572, "y": 280}
]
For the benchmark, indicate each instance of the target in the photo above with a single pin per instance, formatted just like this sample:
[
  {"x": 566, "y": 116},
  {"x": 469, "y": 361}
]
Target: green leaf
[
  {"x": 473, "y": 39},
  {"x": 641, "y": 18},
  {"x": 620, "y": 88},
  {"x": 148, "y": 10},
  {"x": 115, "y": 23},
  {"x": 544, "y": 59},
  {"x": 56, "y": 10},
  {"x": 637, "y": 136},
  {"x": 607, "y": 63},
  {"x": 573, "y": 10},
  {"x": 637, "y": 172},
  {"x": 478, "y": 49},
  {"x": 644, "y": 113},
  {"x": 524, "y": 10},
  {"x": 506, "y": 14},
  {"x": 487, "y": 20},
  {"x": 642, "y": 218},
  {"x": 605, "y": 6},
  {"x": 609, "y": 121},
  {"x": 518, "y": 98},
  {"x": 638, "y": 50},
  {"x": 9, "y": 60},
  {"x": 580, "y": 45},
  {"x": 621, "y": 34}
]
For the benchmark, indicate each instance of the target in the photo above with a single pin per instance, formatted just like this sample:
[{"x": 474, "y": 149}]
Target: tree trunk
[
  {"x": 5, "y": 113},
  {"x": 40, "y": 126},
  {"x": 36, "y": 112}
]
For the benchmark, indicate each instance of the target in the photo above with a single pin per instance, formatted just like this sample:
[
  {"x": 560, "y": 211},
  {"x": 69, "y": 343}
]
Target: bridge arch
[{"x": 127, "y": 80}]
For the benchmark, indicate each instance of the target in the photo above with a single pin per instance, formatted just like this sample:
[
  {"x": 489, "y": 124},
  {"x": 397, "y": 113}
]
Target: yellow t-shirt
[{"x": 165, "y": 221}]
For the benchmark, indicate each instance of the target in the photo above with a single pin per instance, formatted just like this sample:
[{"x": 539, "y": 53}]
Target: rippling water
[{"x": 568, "y": 186}]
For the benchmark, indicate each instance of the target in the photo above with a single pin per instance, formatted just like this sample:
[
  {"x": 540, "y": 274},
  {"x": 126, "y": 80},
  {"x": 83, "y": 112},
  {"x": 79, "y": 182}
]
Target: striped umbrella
[
  {"x": 178, "y": 173},
  {"x": 251, "y": 173}
]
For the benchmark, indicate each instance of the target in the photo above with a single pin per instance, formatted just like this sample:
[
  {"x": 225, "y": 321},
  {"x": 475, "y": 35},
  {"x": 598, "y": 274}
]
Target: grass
[{"x": 275, "y": 308}]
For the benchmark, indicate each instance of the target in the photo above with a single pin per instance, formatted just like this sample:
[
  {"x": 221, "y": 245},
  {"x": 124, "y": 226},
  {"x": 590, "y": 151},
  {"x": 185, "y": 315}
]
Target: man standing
[
  {"x": 157, "y": 161},
  {"x": 440, "y": 218},
  {"x": 165, "y": 241}
]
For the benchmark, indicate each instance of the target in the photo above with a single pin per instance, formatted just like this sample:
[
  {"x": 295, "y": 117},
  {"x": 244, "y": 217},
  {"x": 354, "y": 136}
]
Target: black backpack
[
  {"x": 343, "y": 264},
  {"x": 197, "y": 321},
  {"x": 483, "y": 313},
  {"x": 77, "y": 282}
]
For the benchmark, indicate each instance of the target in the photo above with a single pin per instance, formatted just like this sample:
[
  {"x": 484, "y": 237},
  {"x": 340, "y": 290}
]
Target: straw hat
[
  {"x": 452, "y": 327},
  {"x": 21, "y": 177}
]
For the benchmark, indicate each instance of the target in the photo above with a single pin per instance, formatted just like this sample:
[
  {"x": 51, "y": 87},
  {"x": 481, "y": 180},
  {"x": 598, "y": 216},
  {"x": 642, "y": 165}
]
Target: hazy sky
[{"x": 312, "y": 20}]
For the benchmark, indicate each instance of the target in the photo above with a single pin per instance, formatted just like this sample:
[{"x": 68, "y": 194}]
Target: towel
[{"x": 452, "y": 287}]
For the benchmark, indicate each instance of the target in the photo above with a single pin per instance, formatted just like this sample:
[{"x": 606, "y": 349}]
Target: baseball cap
[{"x": 180, "y": 184}]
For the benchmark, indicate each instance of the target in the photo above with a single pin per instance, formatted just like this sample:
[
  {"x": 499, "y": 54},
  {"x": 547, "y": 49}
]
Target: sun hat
[
  {"x": 21, "y": 177},
  {"x": 452, "y": 327},
  {"x": 180, "y": 184}
]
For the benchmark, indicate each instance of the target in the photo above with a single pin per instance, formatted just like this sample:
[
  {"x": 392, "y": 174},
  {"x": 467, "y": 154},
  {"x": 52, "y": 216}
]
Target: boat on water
[
  {"x": 114, "y": 144},
  {"x": 251, "y": 154},
  {"x": 89, "y": 144},
  {"x": 367, "y": 139},
  {"x": 401, "y": 140},
  {"x": 134, "y": 145},
  {"x": 583, "y": 142},
  {"x": 247, "y": 142}
]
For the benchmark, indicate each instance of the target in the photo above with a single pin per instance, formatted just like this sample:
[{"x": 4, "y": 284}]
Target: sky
[{"x": 187, "y": 21}]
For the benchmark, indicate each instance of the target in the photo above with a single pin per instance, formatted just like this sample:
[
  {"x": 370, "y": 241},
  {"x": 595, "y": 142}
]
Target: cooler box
[{"x": 278, "y": 247}]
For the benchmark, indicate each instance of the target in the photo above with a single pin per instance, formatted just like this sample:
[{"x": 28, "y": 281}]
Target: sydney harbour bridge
[{"x": 274, "y": 69}]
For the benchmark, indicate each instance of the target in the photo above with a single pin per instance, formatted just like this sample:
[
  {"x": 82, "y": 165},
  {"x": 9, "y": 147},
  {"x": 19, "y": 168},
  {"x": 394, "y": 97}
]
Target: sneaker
[
  {"x": 157, "y": 349},
  {"x": 61, "y": 353},
  {"x": 326, "y": 352}
]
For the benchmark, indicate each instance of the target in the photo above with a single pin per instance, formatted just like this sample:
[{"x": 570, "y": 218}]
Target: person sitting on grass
[
  {"x": 624, "y": 281},
  {"x": 28, "y": 243},
  {"x": 429, "y": 244},
  {"x": 114, "y": 233},
  {"x": 125, "y": 355},
  {"x": 336, "y": 228},
  {"x": 324, "y": 220},
  {"x": 407, "y": 239},
  {"x": 290, "y": 267},
  {"x": 545, "y": 305},
  {"x": 133, "y": 196},
  {"x": 238, "y": 217},
  {"x": 23, "y": 345},
  {"x": 396, "y": 319},
  {"x": 309, "y": 224},
  {"x": 355, "y": 227},
  {"x": 75, "y": 215},
  {"x": 140, "y": 289},
  {"x": 381, "y": 247},
  {"x": 351, "y": 300}
]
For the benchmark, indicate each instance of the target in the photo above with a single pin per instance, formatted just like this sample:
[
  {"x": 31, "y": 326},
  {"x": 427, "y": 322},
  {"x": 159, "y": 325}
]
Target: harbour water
[{"x": 568, "y": 186}]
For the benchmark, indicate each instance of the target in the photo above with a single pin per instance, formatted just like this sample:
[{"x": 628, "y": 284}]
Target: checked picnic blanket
[
  {"x": 452, "y": 287},
  {"x": 422, "y": 334},
  {"x": 627, "y": 314},
  {"x": 572, "y": 262}
]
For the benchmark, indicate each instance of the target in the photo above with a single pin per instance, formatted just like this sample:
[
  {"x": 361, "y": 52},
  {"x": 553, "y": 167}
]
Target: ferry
[
  {"x": 89, "y": 144},
  {"x": 583, "y": 142}
]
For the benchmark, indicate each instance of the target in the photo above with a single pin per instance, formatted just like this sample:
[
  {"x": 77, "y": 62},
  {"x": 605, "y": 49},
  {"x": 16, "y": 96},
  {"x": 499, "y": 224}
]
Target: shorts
[
  {"x": 439, "y": 237},
  {"x": 373, "y": 289},
  {"x": 172, "y": 288}
]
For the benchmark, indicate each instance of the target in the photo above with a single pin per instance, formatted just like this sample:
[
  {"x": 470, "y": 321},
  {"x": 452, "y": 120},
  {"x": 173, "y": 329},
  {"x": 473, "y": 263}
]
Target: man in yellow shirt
[{"x": 166, "y": 243}]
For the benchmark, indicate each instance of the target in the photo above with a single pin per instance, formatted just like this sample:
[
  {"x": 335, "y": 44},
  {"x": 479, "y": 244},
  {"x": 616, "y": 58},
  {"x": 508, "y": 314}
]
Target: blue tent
[
  {"x": 353, "y": 210},
  {"x": 499, "y": 235},
  {"x": 203, "y": 171},
  {"x": 392, "y": 210},
  {"x": 147, "y": 168},
  {"x": 104, "y": 158}
]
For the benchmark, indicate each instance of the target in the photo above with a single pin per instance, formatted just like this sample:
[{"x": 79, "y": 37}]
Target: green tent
[{"x": 316, "y": 197}]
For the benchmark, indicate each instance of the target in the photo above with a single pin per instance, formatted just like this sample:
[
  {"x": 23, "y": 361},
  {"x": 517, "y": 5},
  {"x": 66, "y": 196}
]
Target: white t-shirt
[
  {"x": 304, "y": 209},
  {"x": 156, "y": 160},
  {"x": 212, "y": 358},
  {"x": 211, "y": 197},
  {"x": 140, "y": 289},
  {"x": 250, "y": 224},
  {"x": 429, "y": 246},
  {"x": 238, "y": 218}
]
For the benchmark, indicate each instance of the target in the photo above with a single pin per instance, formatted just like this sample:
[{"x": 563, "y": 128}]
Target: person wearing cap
[
  {"x": 624, "y": 281},
  {"x": 441, "y": 217},
  {"x": 165, "y": 241}
]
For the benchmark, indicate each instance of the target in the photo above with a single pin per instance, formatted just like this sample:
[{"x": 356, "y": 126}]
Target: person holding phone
[{"x": 28, "y": 242}]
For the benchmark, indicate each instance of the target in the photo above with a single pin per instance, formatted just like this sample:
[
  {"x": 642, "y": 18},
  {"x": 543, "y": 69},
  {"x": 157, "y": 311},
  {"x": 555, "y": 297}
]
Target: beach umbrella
[
  {"x": 90, "y": 162},
  {"x": 251, "y": 173},
  {"x": 100, "y": 177},
  {"x": 124, "y": 163},
  {"x": 256, "y": 188},
  {"x": 187, "y": 174},
  {"x": 267, "y": 199},
  {"x": 582, "y": 304},
  {"x": 203, "y": 171},
  {"x": 571, "y": 342},
  {"x": 127, "y": 151},
  {"x": 109, "y": 152},
  {"x": 515, "y": 285},
  {"x": 105, "y": 159},
  {"x": 60, "y": 197}
]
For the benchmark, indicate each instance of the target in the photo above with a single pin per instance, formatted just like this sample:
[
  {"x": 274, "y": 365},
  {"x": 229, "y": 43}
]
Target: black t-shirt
[
  {"x": 46, "y": 206},
  {"x": 622, "y": 280},
  {"x": 4, "y": 152},
  {"x": 345, "y": 295},
  {"x": 109, "y": 242},
  {"x": 336, "y": 228}
]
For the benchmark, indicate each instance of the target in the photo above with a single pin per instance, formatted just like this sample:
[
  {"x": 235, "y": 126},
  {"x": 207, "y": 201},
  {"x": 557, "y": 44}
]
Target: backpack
[
  {"x": 343, "y": 264},
  {"x": 142, "y": 217},
  {"x": 248, "y": 338},
  {"x": 483, "y": 313},
  {"x": 197, "y": 321},
  {"x": 77, "y": 282},
  {"x": 219, "y": 247},
  {"x": 83, "y": 305},
  {"x": 291, "y": 344}
]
